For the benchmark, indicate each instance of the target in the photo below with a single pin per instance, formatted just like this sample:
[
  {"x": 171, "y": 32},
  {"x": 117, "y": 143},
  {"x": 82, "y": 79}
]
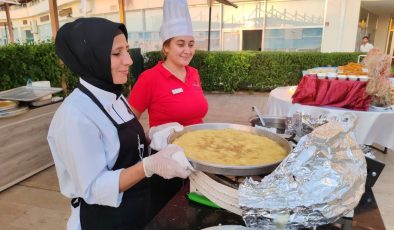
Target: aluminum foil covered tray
[
  {"x": 321, "y": 180},
  {"x": 28, "y": 94},
  {"x": 233, "y": 170}
]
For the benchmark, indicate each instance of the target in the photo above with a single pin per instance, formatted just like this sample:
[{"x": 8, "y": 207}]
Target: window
[
  {"x": 134, "y": 21},
  {"x": 249, "y": 15},
  {"x": 200, "y": 21},
  {"x": 153, "y": 19},
  {"x": 201, "y": 38},
  {"x": 45, "y": 32},
  {"x": 231, "y": 41},
  {"x": 293, "y": 39},
  {"x": 290, "y": 25},
  {"x": 295, "y": 13}
]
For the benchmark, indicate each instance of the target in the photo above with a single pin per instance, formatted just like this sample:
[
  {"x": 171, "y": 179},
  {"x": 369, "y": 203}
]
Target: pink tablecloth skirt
[{"x": 336, "y": 93}]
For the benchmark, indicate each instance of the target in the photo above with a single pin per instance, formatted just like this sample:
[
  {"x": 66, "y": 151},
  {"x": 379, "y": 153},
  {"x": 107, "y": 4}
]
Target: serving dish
[
  {"x": 7, "y": 104},
  {"x": 277, "y": 122},
  {"x": 28, "y": 93},
  {"x": 233, "y": 170}
]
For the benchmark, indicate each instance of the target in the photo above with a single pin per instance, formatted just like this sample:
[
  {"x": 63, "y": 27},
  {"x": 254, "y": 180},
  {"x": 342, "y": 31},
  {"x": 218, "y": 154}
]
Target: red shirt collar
[{"x": 167, "y": 73}]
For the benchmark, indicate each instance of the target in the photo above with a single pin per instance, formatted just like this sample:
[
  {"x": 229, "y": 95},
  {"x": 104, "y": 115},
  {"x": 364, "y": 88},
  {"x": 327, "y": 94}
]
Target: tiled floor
[{"x": 36, "y": 203}]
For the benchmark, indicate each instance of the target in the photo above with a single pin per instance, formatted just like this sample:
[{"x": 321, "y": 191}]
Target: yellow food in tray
[{"x": 230, "y": 147}]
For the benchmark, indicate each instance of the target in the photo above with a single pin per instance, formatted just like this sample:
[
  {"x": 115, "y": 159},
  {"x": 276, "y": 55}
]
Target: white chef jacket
[
  {"x": 365, "y": 48},
  {"x": 85, "y": 145}
]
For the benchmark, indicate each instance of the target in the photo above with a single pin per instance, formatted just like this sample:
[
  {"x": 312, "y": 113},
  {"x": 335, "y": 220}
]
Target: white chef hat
[{"x": 176, "y": 20}]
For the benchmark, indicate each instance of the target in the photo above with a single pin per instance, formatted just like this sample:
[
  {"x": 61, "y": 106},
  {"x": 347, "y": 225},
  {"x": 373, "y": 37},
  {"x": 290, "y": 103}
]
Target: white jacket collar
[{"x": 106, "y": 98}]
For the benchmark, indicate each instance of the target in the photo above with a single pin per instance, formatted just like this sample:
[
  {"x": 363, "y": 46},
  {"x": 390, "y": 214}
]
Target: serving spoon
[{"x": 254, "y": 108}]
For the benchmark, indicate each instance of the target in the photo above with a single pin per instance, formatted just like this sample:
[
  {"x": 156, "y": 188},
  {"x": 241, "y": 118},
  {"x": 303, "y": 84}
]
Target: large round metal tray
[{"x": 233, "y": 170}]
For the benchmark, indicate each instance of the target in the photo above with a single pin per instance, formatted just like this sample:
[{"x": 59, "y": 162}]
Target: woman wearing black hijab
[{"x": 99, "y": 147}]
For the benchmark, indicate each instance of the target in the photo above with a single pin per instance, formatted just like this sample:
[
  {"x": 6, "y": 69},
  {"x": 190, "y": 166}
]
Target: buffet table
[
  {"x": 24, "y": 148},
  {"x": 372, "y": 127},
  {"x": 180, "y": 213}
]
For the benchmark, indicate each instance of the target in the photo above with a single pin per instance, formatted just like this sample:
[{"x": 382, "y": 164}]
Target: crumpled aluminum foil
[
  {"x": 321, "y": 180},
  {"x": 303, "y": 123},
  {"x": 368, "y": 151}
]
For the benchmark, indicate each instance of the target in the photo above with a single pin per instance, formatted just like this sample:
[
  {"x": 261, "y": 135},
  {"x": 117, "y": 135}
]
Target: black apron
[
  {"x": 163, "y": 190},
  {"x": 134, "y": 211}
]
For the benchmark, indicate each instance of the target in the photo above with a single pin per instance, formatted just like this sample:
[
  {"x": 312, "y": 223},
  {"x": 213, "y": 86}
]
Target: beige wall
[
  {"x": 382, "y": 32},
  {"x": 340, "y": 31}
]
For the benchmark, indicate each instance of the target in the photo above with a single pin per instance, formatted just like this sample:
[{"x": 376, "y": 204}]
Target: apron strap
[
  {"x": 97, "y": 102},
  {"x": 127, "y": 106}
]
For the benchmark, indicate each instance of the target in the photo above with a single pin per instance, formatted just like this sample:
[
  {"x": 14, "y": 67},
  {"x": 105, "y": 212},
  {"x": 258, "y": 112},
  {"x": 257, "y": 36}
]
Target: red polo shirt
[{"x": 167, "y": 98}]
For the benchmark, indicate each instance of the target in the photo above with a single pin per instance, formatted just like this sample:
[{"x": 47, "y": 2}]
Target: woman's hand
[
  {"x": 168, "y": 163},
  {"x": 159, "y": 134}
]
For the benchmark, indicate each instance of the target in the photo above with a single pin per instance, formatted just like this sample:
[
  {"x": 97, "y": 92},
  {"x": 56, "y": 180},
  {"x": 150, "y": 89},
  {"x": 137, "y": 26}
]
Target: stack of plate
[
  {"x": 220, "y": 194},
  {"x": 10, "y": 108}
]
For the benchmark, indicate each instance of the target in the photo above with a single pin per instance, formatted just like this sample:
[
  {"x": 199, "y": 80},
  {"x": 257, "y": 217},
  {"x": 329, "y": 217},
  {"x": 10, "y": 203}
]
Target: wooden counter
[{"x": 24, "y": 150}]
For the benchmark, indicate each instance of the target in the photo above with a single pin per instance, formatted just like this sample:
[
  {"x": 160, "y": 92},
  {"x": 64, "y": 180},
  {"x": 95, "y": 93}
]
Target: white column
[
  {"x": 341, "y": 23},
  {"x": 20, "y": 34},
  {"x": 382, "y": 31}
]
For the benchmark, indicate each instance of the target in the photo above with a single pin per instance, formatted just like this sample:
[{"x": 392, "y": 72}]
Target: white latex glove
[
  {"x": 159, "y": 134},
  {"x": 180, "y": 158},
  {"x": 168, "y": 163}
]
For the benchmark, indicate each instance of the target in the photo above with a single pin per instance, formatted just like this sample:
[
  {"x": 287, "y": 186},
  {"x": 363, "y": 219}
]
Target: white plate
[
  {"x": 353, "y": 78},
  {"x": 331, "y": 75},
  {"x": 363, "y": 78}
]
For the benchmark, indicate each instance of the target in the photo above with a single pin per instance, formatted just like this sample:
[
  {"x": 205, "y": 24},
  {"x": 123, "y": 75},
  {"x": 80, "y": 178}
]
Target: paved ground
[{"x": 36, "y": 203}]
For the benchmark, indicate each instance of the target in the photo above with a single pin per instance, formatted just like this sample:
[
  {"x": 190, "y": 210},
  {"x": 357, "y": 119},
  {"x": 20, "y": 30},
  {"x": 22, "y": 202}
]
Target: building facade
[{"x": 269, "y": 25}]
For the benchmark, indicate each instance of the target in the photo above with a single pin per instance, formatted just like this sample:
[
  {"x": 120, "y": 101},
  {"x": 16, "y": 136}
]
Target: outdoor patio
[{"x": 36, "y": 203}]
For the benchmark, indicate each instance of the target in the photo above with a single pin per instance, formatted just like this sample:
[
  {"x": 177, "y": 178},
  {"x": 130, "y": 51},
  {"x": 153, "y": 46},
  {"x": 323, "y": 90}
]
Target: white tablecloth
[{"x": 372, "y": 127}]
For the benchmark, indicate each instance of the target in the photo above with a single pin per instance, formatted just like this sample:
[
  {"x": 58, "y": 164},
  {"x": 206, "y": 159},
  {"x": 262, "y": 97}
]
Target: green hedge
[
  {"x": 20, "y": 61},
  {"x": 220, "y": 71},
  {"x": 261, "y": 71}
]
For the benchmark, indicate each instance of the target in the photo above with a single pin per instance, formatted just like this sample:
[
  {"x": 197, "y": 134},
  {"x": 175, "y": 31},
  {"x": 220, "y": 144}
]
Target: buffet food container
[
  {"x": 277, "y": 122},
  {"x": 233, "y": 170}
]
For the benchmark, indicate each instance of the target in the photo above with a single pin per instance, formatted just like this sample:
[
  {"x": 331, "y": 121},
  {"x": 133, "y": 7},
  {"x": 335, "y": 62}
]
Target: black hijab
[{"x": 85, "y": 47}]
